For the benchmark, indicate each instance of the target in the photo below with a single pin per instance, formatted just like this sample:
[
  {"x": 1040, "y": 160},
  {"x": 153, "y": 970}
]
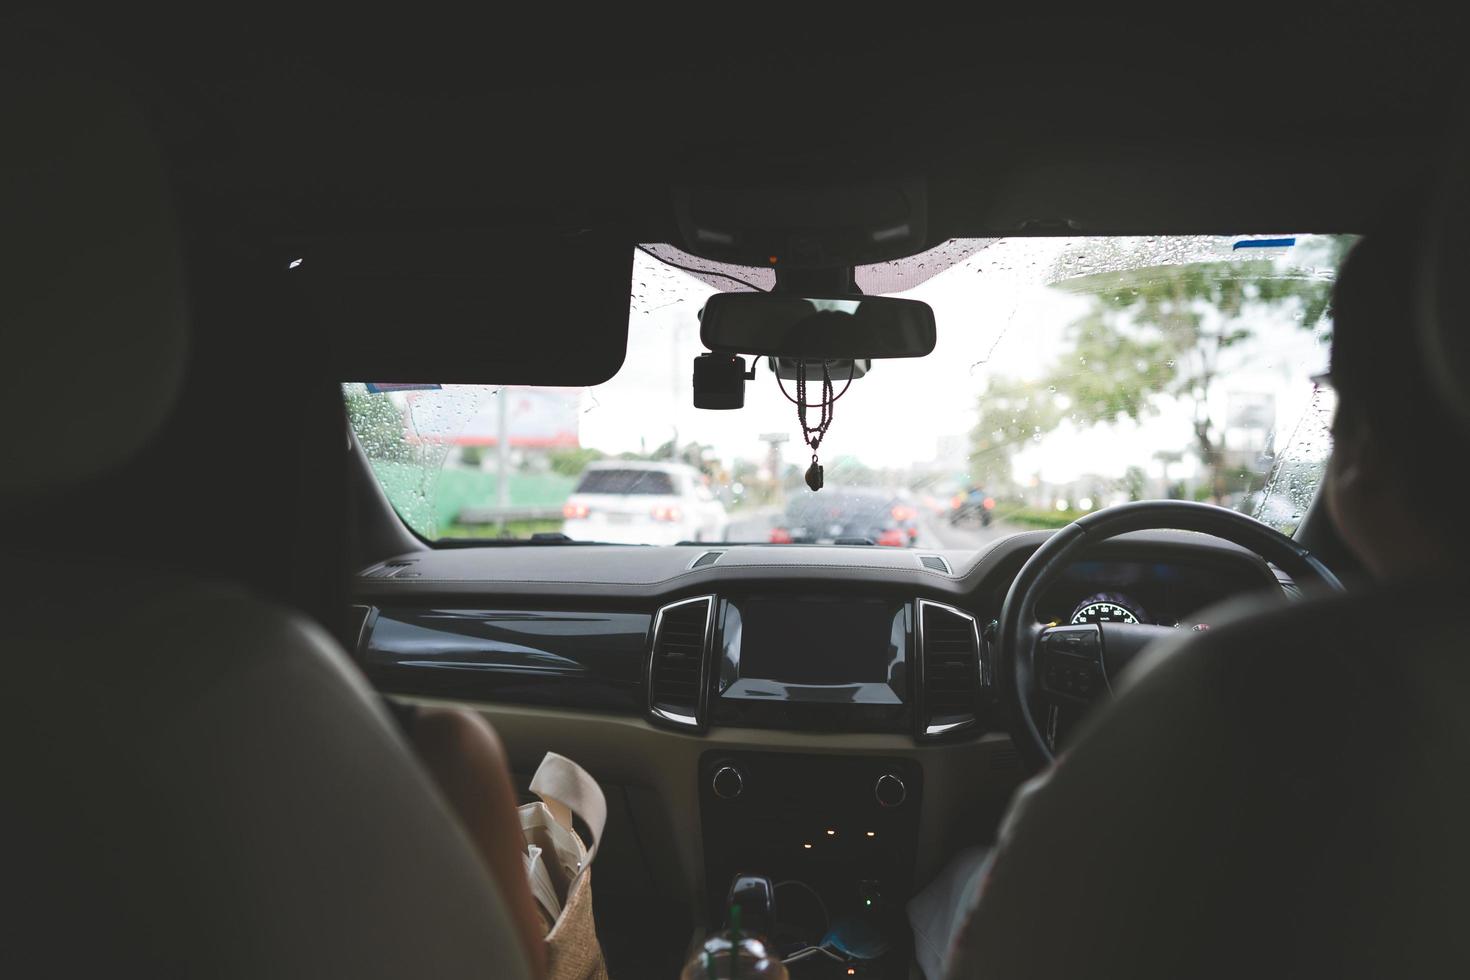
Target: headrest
[
  {"x": 92, "y": 318},
  {"x": 1443, "y": 312}
]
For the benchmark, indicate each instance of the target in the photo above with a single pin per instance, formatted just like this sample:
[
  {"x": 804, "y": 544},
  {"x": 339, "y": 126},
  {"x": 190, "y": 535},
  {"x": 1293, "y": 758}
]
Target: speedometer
[{"x": 1106, "y": 608}]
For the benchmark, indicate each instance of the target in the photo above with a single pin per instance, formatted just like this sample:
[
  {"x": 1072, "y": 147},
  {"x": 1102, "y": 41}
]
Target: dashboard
[
  {"x": 798, "y": 638},
  {"x": 819, "y": 714}
]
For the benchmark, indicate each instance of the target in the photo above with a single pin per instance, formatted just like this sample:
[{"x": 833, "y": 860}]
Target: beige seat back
[{"x": 198, "y": 783}]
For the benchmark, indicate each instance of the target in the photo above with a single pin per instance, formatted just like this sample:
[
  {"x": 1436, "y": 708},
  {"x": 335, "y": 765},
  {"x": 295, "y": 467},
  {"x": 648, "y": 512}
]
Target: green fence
[{"x": 430, "y": 500}]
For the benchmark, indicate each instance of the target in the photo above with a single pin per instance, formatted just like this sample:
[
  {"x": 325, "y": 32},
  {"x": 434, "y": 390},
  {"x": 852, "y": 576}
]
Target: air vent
[
  {"x": 707, "y": 559},
  {"x": 949, "y": 668},
  {"x": 934, "y": 563},
  {"x": 676, "y": 666}
]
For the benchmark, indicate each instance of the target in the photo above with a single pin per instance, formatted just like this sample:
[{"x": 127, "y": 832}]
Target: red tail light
[
  {"x": 892, "y": 538},
  {"x": 902, "y": 513},
  {"x": 779, "y": 535},
  {"x": 989, "y": 503},
  {"x": 667, "y": 514},
  {"x": 573, "y": 511}
]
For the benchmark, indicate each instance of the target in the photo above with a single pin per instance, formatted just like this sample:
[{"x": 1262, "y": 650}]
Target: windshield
[{"x": 1069, "y": 375}]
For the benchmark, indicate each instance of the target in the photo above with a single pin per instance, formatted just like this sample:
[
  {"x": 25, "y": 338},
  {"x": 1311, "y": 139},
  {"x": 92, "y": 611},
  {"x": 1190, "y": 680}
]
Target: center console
[{"x": 836, "y": 834}]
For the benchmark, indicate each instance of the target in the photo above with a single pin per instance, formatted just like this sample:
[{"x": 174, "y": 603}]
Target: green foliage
[
  {"x": 1115, "y": 376},
  {"x": 695, "y": 454},
  {"x": 1152, "y": 334},
  {"x": 513, "y": 529},
  {"x": 1035, "y": 516},
  {"x": 379, "y": 427},
  {"x": 571, "y": 462},
  {"x": 1135, "y": 482},
  {"x": 430, "y": 498},
  {"x": 745, "y": 471},
  {"x": 1011, "y": 412},
  {"x": 1164, "y": 330}
]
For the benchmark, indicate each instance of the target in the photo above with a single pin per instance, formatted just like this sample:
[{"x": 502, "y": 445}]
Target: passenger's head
[{"x": 1390, "y": 488}]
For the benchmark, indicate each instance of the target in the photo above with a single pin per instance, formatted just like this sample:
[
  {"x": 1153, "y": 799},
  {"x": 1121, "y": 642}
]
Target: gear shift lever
[{"x": 756, "y": 897}]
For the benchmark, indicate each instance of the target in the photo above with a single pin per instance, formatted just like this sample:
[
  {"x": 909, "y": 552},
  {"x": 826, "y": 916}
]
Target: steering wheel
[{"x": 1068, "y": 665}]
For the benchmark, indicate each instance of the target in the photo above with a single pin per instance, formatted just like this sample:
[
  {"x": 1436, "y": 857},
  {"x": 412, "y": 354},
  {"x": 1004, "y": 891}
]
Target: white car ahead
[{"x": 634, "y": 502}]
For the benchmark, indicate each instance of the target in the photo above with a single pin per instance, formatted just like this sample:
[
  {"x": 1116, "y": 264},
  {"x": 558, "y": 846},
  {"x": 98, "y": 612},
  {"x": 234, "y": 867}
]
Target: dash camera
[{"x": 719, "y": 381}]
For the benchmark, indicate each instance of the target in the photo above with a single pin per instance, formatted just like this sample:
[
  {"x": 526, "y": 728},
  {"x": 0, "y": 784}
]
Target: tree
[
  {"x": 379, "y": 427},
  {"x": 695, "y": 454},
  {"x": 1153, "y": 335},
  {"x": 746, "y": 471},
  {"x": 1164, "y": 331},
  {"x": 1135, "y": 482},
  {"x": 1012, "y": 413},
  {"x": 572, "y": 461}
]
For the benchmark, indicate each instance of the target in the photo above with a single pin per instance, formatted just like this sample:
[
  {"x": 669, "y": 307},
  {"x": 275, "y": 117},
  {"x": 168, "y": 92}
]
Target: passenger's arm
[{"x": 468, "y": 763}]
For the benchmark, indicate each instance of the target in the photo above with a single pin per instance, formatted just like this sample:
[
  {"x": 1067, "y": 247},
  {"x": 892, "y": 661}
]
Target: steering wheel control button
[
  {"x": 1069, "y": 662},
  {"x": 727, "y": 783},
  {"x": 890, "y": 790},
  {"x": 1068, "y": 676},
  {"x": 1079, "y": 641}
]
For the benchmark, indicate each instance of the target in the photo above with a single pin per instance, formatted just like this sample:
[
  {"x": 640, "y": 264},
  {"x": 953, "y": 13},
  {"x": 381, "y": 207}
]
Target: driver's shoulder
[{"x": 1320, "y": 670}]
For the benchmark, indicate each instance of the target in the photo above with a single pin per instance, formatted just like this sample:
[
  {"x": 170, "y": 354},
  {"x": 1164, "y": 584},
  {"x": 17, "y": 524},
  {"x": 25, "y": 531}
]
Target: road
[
  {"x": 755, "y": 526},
  {"x": 939, "y": 534}
]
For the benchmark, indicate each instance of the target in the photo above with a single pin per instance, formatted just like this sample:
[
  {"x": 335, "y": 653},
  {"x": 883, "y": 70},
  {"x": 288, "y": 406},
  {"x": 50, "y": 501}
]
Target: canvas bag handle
[{"x": 568, "y": 790}]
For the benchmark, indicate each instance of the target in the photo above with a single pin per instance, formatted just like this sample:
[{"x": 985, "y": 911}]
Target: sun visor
[{"x": 528, "y": 307}]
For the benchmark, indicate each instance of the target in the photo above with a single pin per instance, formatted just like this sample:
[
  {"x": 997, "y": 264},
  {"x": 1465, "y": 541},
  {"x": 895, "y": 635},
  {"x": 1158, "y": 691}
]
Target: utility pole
[{"x": 773, "y": 441}]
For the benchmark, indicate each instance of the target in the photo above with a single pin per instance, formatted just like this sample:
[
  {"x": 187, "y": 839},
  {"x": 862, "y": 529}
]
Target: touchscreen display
[
  {"x": 836, "y": 650},
  {"x": 815, "y": 642}
]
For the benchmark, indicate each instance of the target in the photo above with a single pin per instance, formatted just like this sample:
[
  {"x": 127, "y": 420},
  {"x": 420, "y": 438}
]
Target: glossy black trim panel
[{"x": 554, "y": 658}]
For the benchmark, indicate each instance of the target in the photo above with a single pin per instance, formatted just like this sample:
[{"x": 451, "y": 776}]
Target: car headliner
[{"x": 1022, "y": 122}]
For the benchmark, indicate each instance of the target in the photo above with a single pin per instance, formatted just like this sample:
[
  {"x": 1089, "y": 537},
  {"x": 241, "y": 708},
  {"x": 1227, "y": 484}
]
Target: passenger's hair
[{"x": 1378, "y": 368}]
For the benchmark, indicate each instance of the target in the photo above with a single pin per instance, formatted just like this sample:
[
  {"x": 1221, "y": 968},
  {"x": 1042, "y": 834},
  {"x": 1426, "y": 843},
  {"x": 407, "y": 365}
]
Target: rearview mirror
[{"x": 817, "y": 328}]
